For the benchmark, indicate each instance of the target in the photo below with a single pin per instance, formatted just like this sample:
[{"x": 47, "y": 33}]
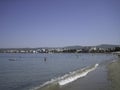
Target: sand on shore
[
  {"x": 95, "y": 80},
  {"x": 114, "y": 74},
  {"x": 101, "y": 78}
]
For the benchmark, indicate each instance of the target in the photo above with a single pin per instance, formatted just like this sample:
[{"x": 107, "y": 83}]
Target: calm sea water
[{"x": 27, "y": 71}]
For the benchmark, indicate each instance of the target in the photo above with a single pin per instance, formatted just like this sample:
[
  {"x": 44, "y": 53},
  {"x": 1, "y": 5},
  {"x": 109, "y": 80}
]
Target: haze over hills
[
  {"x": 78, "y": 46},
  {"x": 97, "y": 46},
  {"x": 107, "y": 46}
]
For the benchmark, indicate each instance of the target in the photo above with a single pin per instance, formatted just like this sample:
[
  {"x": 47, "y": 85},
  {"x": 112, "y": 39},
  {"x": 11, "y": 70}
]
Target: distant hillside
[
  {"x": 98, "y": 46},
  {"x": 70, "y": 47},
  {"x": 107, "y": 46},
  {"x": 73, "y": 47}
]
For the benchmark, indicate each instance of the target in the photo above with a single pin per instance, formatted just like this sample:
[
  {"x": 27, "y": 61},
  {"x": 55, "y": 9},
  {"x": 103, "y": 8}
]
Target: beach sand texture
[
  {"x": 114, "y": 74},
  {"x": 95, "y": 80},
  {"x": 104, "y": 77}
]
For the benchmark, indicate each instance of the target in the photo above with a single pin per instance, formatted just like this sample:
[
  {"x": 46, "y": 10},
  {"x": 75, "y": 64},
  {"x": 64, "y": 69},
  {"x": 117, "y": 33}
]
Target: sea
[{"x": 34, "y": 71}]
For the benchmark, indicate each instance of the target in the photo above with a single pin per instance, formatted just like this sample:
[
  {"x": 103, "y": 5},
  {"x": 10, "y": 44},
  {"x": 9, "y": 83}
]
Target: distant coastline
[{"x": 104, "y": 48}]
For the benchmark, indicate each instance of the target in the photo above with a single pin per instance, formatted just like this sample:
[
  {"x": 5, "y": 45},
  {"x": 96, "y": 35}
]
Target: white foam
[
  {"x": 67, "y": 78},
  {"x": 74, "y": 76}
]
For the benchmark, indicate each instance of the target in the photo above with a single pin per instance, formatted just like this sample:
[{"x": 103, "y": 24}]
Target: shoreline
[
  {"x": 114, "y": 74},
  {"x": 105, "y": 77},
  {"x": 95, "y": 80},
  {"x": 102, "y": 78}
]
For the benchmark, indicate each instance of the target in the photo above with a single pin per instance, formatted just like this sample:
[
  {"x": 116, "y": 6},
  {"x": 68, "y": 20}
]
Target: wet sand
[
  {"x": 99, "y": 79},
  {"x": 114, "y": 74},
  {"x": 95, "y": 80}
]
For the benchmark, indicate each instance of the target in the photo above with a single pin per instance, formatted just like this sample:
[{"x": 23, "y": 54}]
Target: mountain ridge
[
  {"x": 97, "y": 46},
  {"x": 74, "y": 47}
]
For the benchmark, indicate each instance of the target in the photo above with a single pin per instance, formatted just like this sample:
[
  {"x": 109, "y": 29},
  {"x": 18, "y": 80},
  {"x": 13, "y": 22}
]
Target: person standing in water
[{"x": 45, "y": 59}]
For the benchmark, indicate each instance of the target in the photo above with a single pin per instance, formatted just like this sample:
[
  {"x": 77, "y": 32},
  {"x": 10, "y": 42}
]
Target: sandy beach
[
  {"x": 105, "y": 77},
  {"x": 95, "y": 80},
  {"x": 114, "y": 74}
]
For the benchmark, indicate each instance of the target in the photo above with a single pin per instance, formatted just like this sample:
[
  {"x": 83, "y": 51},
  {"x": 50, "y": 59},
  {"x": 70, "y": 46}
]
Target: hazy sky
[{"x": 41, "y": 23}]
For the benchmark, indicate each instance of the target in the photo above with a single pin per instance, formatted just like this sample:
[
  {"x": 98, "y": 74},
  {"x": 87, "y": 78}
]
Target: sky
[{"x": 58, "y": 23}]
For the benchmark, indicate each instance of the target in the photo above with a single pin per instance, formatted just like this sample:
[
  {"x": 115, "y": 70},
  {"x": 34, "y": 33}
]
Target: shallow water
[
  {"x": 95, "y": 80},
  {"x": 27, "y": 71}
]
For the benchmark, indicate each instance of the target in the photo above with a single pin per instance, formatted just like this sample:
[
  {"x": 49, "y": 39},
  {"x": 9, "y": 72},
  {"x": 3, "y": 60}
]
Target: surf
[
  {"x": 76, "y": 75},
  {"x": 67, "y": 78}
]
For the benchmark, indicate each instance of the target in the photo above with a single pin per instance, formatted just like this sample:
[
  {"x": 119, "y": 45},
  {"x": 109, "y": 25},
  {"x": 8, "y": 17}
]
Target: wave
[
  {"x": 67, "y": 78},
  {"x": 75, "y": 75}
]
